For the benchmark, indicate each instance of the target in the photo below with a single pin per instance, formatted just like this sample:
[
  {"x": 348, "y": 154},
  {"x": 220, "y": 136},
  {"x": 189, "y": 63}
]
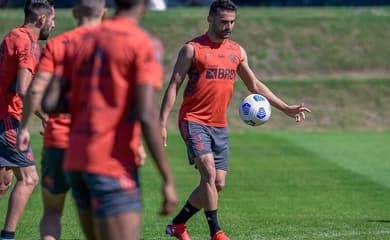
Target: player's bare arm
[
  {"x": 23, "y": 80},
  {"x": 147, "y": 112},
  {"x": 54, "y": 100},
  {"x": 31, "y": 105},
  {"x": 254, "y": 85},
  {"x": 180, "y": 70}
]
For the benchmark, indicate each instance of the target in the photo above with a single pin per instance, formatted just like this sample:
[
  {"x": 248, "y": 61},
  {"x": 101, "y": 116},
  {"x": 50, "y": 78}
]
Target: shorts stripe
[
  {"x": 10, "y": 133},
  {"x": 185, "y": 131}
]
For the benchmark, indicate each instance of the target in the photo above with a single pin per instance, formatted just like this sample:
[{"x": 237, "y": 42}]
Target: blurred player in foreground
[
  {"x": 211, "y": 62},
  {"x": 88, "y": 13},
  {"x": 19, "y": 54},
  {"x": 112, "y": 75}
]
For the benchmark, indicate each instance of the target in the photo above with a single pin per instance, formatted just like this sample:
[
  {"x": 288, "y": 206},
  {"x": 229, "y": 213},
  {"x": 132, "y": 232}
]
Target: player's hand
[
  {"x": 23, "y": 140},
  {"x": 164, "y": 135},
  {"x": 141, "y": 154},
  {"x": 297, "y": 112},
  {"x": 169, "y": 198}
]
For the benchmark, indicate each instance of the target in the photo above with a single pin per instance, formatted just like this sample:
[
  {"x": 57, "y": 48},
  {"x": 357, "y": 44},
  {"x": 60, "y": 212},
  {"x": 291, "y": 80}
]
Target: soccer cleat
[
  {"x": 220, "y": 235},
  {"x": 178, "y": 231}
]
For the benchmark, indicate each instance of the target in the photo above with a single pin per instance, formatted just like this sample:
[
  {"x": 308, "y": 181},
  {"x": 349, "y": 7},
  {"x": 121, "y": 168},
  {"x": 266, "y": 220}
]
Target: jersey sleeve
[
  {"x": 46, "y": 62},
  {"x": 149, "y": 68},
  {"x": 24, "y": 53}
]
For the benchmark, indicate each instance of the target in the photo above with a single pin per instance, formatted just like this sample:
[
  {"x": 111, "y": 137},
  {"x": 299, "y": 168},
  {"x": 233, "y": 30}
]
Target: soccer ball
[{"x": 255, "y": 110}]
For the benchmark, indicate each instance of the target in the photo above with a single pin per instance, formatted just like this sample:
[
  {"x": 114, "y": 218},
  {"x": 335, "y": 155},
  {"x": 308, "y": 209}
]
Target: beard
[{"x": 45, "y": 32}]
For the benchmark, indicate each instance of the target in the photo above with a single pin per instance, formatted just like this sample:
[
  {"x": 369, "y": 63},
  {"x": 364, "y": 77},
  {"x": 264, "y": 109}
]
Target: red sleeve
[
  {"x": 46, "y": 62},
  {"x": 149, "y": 69},
  {"x": 24, "y": 54}
]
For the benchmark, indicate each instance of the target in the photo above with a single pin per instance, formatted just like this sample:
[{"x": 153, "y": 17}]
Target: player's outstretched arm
[
  {"x": 31, "y": 103},
  {"x": 146, "y": 109},
  {"x": 54, "y": 98},
  {"x": 180, "y": 70},
  {"x": 254, "y": 85}
]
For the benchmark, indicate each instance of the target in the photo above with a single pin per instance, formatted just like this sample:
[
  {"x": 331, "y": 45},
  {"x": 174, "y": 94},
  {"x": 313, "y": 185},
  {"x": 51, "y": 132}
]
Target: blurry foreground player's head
[
  {"x": 41, "y": 14},
  {"x": 90, "y": 9},
  {"x": 136, "y": 8}
]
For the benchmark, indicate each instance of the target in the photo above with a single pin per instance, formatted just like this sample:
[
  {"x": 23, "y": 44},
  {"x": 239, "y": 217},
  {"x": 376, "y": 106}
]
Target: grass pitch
[{"x": 281, "y": 185}]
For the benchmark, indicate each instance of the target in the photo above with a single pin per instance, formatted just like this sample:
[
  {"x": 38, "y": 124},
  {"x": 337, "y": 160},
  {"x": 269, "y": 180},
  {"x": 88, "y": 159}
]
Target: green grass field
[
  {"x": 281, "y": 185},
  {"x": 327, "y": 178}
]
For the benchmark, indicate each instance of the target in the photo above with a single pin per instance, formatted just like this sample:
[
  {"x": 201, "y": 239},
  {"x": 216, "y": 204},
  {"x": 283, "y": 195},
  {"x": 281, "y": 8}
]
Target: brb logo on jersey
[{"x": 220, "y": 73}]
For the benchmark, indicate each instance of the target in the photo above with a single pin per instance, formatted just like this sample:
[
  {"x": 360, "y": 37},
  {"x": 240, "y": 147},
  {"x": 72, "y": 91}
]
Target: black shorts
[
  {"x": 201, "y": 139},
  {"x": 104, "y": 195},
  {"x": 53, "y": 177},
  {"x": 9, "y": 155}
]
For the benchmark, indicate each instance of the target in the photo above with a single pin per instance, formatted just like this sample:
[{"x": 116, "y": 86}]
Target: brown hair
[
  {"x": 219, "y": 5},
  {"x": 34, "y": 8}
]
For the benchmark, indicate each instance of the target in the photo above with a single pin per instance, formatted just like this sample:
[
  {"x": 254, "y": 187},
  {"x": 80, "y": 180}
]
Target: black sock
[
  {"x": 7, "y": 235},
  {"x": 186, "y": 213},
  {"x": 212, "y": 220}
]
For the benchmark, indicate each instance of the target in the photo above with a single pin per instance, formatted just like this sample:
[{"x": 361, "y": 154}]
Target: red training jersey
[
  {"x": 58, "y": 126},
  {"x": 211, "y": 81},
  {"x": 104, "y": 68},
  {"x": 19, "y": 50}
]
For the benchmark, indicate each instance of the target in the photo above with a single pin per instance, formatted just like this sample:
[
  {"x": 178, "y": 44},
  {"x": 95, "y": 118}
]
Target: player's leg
[
  {"x": 220, "y": 148},
  {"x": 6, "y": 141},
  {"x": 120, "y": 226},
  {"x": 87, "y": 223},
  {"x": 53, "y": 206},
  {"x": 207, "y": 191},
  {"x": 116, "y": 203},
  {"x": 26, "y": 180},
  {"x": 6, "y": 175},
  {"x": 82, "y": 199},
  {"x": 54, "y": 189},
  {"x": 198, "y": 144},
  {"x": 23, "y": 167}
]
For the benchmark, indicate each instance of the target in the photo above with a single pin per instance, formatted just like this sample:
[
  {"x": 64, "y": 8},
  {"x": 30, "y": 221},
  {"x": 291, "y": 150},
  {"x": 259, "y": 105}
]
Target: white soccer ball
[{"x": 255, "y": 110}]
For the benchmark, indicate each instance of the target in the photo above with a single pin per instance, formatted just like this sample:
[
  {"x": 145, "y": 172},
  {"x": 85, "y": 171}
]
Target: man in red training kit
[
  {"x": 89, "y": 13},
  {"x": 19, "y": 54},
  {"x": 211, "y": 62},
  {"x": 112, "y": 75}
]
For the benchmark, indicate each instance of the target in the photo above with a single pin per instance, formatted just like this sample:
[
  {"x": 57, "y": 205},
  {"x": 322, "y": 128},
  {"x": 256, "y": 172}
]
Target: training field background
[{"x": 327, "y": 178}]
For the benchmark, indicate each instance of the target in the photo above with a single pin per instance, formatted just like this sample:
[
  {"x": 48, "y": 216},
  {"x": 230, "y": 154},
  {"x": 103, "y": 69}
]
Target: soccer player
[
  {"x": 88, "y": 13},
  {"x": 112, "y": 78},
  {"x": 19, "y": 54},
  {"x": 211, "y": 62}
]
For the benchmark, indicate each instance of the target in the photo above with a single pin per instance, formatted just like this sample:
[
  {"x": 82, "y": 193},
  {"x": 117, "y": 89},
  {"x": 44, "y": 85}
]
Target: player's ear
[
  {"x": 209, "y": 18},
  {"x": 104, "y": 14},
  {"x": 74, "y": 13},
  {"x": 41, "y": 20}
]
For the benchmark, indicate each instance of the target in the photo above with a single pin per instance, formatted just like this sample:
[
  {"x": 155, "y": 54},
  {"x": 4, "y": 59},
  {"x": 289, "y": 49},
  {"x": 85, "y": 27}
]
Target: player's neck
[
  {"x": 214, "y": 38},
  {"x": 33, "y": 28},
  {"x": 85, "y": 22},
  {"x": 135, "y": 13}
]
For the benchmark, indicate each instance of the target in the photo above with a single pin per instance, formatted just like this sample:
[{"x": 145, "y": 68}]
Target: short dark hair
[
  {"x": 34, "y": 8},
  {"x": 90, "y": 8},
  {"x": 126, "y": 4},
  {"x": 218, "y": 5}
]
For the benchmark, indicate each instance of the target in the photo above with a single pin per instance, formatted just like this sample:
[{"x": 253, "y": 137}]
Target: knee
[
  {"x": 219, "y": 185},
  {"x": 207, "y": 169},
  {"x": 30, "y": 180},
  {"x": 4, "y": 186},
  {"x": 209, "y": 176},
  {"x": 33, "y": 180}
]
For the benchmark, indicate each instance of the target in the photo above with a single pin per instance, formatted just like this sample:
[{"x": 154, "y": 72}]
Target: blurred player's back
[{"x": 103, "y": 79}]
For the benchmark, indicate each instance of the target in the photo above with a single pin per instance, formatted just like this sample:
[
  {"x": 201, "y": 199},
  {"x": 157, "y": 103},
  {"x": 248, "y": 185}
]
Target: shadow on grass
[{"x": 378, "y": 221}]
